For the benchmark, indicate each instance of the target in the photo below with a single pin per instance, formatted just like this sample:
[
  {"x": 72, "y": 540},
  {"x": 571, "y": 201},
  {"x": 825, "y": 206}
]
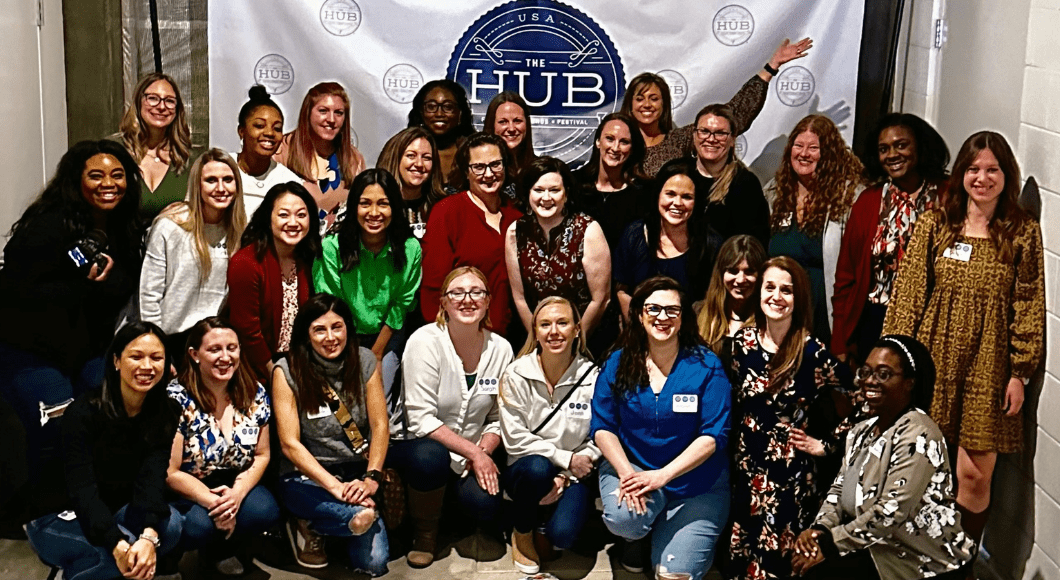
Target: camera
[{"x": 90, "y": 249}]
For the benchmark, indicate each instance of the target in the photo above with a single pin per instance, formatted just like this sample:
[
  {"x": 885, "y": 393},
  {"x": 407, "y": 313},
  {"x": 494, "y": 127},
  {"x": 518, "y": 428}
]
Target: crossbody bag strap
[
  {"x": 564, "y": 400},
  {"x": 349, "y": 427}
]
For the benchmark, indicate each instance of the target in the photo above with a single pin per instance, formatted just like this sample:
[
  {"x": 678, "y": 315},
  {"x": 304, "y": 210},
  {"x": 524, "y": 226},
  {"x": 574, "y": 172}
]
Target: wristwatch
[
  {"x": 153, "y": 539},
  {"x": 375, "y": 474}
]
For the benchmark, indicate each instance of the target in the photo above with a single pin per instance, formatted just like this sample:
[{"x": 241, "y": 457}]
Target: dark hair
[
  {"x": 259, "y": 228},
  {"x": 259, "y": 97},
  {"x": 639, "y": 84},
  {"x": 715, "y": 313},
  {"x": 916, "y": 356},
  {"x": 932, "y": 154},
  {"x": 1008, "y": 217},
  {"x": 241, "y": 388},
  {"x": 523, "y": 154},
  {"x": 390, "y": 158},
  {"x": 125, "y": 229},
  {"x": 788, "y": 358},
  {"x": 110, "y": 399},
  {"x": 633, "y": 169},
  {"x": 308, "y": 376},
  {"x": 458, "y": 175},
  {"x": 465, "y": 127},
  {"x": 632, "y": 365},
  {"x": 349, "y": 231},
  {"x": 703, "y": 240},
  {"x": 543, "y": 166}
]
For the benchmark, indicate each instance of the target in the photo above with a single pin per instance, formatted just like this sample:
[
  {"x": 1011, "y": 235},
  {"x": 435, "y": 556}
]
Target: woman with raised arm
[
  {"x": 442, "y": 108},
  {"x": 260, "y": 130},
  {"x": 272, "y": 274},
  {"x": 410, "y": 156}
]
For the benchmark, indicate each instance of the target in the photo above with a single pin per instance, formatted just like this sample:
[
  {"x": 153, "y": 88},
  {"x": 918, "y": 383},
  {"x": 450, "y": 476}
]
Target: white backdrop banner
[{"x": 569, "y": 60}]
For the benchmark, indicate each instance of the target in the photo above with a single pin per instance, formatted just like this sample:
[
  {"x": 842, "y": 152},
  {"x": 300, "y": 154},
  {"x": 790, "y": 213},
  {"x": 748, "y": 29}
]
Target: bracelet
[
  {"x": 375, "y": 474},
  {"x": 771, "y": 70},
  {"x": 153, "y": 539}
]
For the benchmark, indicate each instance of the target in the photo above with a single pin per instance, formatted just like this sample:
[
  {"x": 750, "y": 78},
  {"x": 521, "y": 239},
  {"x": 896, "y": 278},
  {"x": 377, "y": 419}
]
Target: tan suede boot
[
  {"x": 524, "y": 554},
  {"x": 425, "y": 509}
]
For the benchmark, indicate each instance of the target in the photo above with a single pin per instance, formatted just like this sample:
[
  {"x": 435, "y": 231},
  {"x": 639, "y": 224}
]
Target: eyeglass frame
[
  {"x": 481, "y": 171},
  {"x": 663, "y": 309},
  {"x": 448, "y": 107},
  {"x": 159, "y": 100},
  {"x": 874, "y": 373},
  {"x": 707, "y": 133},
  {"x": 452, "y": 294}
]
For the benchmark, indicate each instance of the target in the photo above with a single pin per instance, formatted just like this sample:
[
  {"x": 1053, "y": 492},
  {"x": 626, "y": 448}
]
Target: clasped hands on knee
[{"x": 635, "y": 487}]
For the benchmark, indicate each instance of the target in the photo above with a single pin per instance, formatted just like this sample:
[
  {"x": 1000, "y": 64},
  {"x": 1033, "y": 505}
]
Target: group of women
[{"x": 849, "y": 322}]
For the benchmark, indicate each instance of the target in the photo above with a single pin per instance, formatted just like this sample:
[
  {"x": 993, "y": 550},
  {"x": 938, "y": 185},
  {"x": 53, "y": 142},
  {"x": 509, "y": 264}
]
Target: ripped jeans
[{"x": 684, "y": 531}]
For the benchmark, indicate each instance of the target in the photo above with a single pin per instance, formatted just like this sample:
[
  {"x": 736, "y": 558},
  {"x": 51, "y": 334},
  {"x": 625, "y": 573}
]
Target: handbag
[{"x": 390, "y": 499}]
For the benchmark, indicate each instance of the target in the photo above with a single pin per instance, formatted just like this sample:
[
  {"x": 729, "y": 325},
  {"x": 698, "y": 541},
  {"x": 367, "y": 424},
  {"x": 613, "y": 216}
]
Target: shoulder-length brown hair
[
  {"x": 300, "y": 158},
  {"x": 241, "y": 388},
  {"x": 458, "y": 179},
  {"x": 134, "y": 131},
  {"x": 836, "y": 179},
  {"x": 433, "y": 190},
  {"x": 714, "y": 317},
  {"x": 641, "y": 83},
  {"x": 1008, "y": 217},
  {"x": 523, "y": 153},
  {"x": 308, "y": 377},
  {"x": 788, "y": 358}
]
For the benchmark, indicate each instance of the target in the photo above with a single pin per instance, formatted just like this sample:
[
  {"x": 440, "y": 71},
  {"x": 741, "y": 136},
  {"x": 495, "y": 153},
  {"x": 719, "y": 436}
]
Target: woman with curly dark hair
[
  {"x": 660, "y": 416},
  {"x": 442, "y": 108},
  {"x": 907, "y": 163},
  {"x": 817, "y": 182}
]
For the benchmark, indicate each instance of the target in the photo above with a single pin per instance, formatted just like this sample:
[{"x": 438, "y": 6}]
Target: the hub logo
[
  {"x": 557, "y": 58},
  {"x": 795, "y": 86},
  {"x": 275, "y": 73},
  {"x": 733, "y": 25},
  {"x": 340, "y": 17},
  {"x": 678, "y": 87},
  {"x": 401, "y": 82}
]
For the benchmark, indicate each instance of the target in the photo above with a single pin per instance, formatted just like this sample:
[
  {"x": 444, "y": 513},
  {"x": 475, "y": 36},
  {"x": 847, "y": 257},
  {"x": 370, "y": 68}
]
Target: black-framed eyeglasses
[
  {"x": 479, "y": 169},
  {"x": 881, "y": 374},
  {"x": 707, "y": 133},
  {"x": 655, "y": 310},
  {"x": 445, "y": 106},
  {"x": 153, "y": 100},
  {"x": 458, "y": 295}
]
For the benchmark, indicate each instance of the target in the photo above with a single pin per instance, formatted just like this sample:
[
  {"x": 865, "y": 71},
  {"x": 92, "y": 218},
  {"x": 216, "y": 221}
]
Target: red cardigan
[
  {"x": 255, "y": 302},
  {"x": 853, "y": 271},
  {"x": 458, "y": 235}
]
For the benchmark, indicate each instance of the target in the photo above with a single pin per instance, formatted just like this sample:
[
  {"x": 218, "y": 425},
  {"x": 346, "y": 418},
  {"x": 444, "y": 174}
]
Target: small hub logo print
[
  {"x": 401, "y": 82},
  {"x": 678, "y": 87},
  {"x": 340, "y": 17},
  {"x": 558, "y": 59},
  {"x": 795, "y": 86},
  {"x": 733, "y": 25},
  {"x": 275, "y": 73},
  {"x": 741, "y": 147}
]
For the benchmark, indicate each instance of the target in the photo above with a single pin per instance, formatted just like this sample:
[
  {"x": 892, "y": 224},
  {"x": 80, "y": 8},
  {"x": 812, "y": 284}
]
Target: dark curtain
[{"x": 876, "y": 66}]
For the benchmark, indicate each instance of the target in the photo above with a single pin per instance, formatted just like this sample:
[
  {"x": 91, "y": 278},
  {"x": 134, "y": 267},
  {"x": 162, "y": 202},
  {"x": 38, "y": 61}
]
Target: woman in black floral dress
[{"x": 783, "y": 415}]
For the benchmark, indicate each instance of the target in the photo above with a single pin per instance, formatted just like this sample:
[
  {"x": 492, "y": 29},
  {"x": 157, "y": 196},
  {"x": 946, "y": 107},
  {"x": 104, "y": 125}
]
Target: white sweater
[
  {"x": 255, "y": 187},
  {"x": 436, "y": 391},
  {"x": 170, "y": 293},
  {"x": 525, "y": 403}
]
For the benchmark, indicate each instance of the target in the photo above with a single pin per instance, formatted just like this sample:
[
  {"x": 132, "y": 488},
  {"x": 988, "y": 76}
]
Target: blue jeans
[
  {"x": 531, "y": 478},
  {"x": 28, "y": 381},
  {"x": 684, "y": 531},
  {"x": 257, "y": 513},
  {"x": 424, "y": 466},
  {"x": 391, "y": 363},
  {"x": 328, "y": 516},
  {"x": 62, "y": 544}
]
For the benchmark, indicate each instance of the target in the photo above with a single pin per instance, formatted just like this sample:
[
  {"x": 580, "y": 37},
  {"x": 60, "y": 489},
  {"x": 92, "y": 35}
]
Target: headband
[{"x": 904, "y": 349}]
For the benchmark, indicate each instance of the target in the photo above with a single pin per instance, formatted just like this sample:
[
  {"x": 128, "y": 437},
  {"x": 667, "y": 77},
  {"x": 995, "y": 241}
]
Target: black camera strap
[{"x": 555, "y": 410}]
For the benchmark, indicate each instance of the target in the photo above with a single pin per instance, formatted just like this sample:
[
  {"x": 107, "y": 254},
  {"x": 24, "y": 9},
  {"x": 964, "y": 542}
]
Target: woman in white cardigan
[
  {"x": 452, "y": 371},
  {"x": 545, "y": 401},
  {"x": 184, "y": 275}
]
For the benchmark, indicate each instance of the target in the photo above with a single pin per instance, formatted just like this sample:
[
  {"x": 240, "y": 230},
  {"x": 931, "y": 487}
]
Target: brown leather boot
[{"x": 425, "y": 509}]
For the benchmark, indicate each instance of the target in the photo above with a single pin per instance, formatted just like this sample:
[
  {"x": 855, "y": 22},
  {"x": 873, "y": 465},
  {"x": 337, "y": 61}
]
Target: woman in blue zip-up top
[{"x": 661, "y": 419}]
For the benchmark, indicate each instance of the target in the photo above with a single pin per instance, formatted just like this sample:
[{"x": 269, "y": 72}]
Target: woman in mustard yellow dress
[{"x": 972, "y": 288}]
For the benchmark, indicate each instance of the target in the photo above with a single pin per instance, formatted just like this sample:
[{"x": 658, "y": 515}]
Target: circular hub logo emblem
[
  {"x": 275, "y": 73},
  {"x": 678, "y": 87},
  {"x": 401, "y": 82},
  {"x": 557, "y": 58},
  {"x": 733, "y": 25},
  {"x": 340, "y": 17},
  {"x": 795, "y": 85}
]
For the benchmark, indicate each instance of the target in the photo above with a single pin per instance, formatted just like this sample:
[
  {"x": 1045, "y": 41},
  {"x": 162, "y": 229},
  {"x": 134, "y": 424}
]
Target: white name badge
[
  {"x": 418, "y": 229},
  {"x": 320, "y": 413},
  {"x": 488, "y": 386},
  {"x": 249, "y": 435},
  {"x": 578, "y": 411},
  {"x": 68, "y": 516},
  {"x": 686, "y": 403},
  {"x": 959, "y": 251}
]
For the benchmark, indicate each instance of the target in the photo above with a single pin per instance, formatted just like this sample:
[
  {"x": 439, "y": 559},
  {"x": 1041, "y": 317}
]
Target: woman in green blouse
[{"x": 373, "y": 264}]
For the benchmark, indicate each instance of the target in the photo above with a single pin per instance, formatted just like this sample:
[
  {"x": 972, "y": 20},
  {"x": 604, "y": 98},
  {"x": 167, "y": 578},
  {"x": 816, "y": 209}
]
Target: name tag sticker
[
  {"x": 488, "y": 386},
  {"x": 959, "y": 251},
  {"x": 686, "y": 403},
  {"x": 320, "y": 413},
  {"x": 578, "y": 411},
  {"x": 418, "y": 229},
  {"x": 68, "y": 516},
  {"x": 249, "y": 435}
]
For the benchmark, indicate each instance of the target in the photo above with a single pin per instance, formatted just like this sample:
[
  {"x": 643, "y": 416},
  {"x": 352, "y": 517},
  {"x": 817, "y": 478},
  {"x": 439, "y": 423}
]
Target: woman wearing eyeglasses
[
  {"x": 661, "y": 419},
  {"x": 452, "y": 372},
  {"x": 467, "y": 228},
  {"x": 441, "y": 107},
  {"x": 783, "y": 412}
]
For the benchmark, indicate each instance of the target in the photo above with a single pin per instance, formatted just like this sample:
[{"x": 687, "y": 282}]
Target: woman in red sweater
[{"x": 467, "y": 228}]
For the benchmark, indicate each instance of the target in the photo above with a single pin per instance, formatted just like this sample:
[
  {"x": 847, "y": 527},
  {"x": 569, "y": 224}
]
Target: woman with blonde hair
[
  {"x": 411, "y": 156},
  {"x": 155, "y": 130},
  {"x": 728, "y": 305},
  {"x": 184, "y": 275},
  {"x": 320, "y": 151},
  {"x": 817, "y": 182}
]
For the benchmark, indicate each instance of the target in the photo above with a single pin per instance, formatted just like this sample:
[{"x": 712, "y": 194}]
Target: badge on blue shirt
[{"x": 686, "y": 403}]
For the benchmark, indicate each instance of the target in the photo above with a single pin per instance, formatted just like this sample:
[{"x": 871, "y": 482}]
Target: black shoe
[{"x": 633, "y": 556}]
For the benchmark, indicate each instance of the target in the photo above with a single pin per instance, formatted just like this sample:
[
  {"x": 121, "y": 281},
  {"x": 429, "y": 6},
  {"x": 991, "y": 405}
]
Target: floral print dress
[
  {"x": 775, "y": 494},
  {"x": 553, "y": 266}
]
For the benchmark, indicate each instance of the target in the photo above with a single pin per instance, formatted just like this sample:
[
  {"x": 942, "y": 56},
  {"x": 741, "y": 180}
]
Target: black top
[
  {"x": 111, "y": 462},
  {"x": 744, "y": 210},
  {"x": 48, "y": 306},
  {"x": 614, "y": 210},
  {"x": 635, "y": 261}
]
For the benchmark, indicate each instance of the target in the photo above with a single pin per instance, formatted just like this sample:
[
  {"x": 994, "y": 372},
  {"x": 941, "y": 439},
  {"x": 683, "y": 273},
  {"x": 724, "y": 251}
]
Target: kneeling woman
[
  {"x": 116, "y": 442},
  {"x": 549, "y": 451},
  {"x": 661, "y": 419},
  {"x": 221, "y": 448},
  {"x": 893, "y": 514},
  {"x": 331, "y": 416}
]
